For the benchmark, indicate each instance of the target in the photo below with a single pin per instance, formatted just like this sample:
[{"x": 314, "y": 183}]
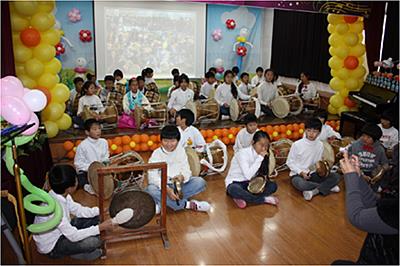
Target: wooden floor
[{"x": 296, "y": 232}]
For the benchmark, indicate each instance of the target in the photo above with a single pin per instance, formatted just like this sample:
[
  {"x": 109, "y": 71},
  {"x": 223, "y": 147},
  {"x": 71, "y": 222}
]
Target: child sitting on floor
[
  {"x": 267, "y": 91},
  {"x": 92, "y": 149},
  {"x": 178, "y": 168},
  {"x": 390, "y": 135},
  {"x": 248, "y": 163},
  {"x": 120, "y": 82},
  {"x": 244, "y": 86},
  {"x": 76, "y": 237},
  {"x": 75, "y": 95},
  {"x": 327, "y": 132},
  {"x": 174, "y": 73},
  {"x": 190, "y": 135},
  {"x": 152, "y": 92},
  {"x": 90, "y": 100},
  {"x": 110, "y": 95},
  {"x": 208, "y": 88},
  {"x": 235, "y": 71},
  {"x": 306, "y": 89},
  {"x": 245, "y": 136},
  {"x": 180, "y": 97},
  {"x": 141, "y": 85},
  {"x": 305, "y": 153},
  {"x": 173, "y": 87},
  {"x": 258, "y": 78}
]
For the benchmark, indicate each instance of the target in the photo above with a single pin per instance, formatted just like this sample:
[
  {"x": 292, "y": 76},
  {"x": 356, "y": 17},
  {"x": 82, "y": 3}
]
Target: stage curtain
[
  {"x": 7, "y": 56},
  {"x": 300, "y": 43},
  {"x": 391, "y": 40}
]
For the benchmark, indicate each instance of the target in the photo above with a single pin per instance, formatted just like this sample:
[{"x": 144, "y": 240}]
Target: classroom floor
[{"x": 296, "y": 232}]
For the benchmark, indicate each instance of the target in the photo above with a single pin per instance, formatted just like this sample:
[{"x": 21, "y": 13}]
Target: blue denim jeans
[
  {"x": 193, "y": 187},
  {"x": 65, "y": 247},
  {"x": 324, "y": 184},
  {"x": 224, "y": 110},
  {"x": 238, "y": 190}
]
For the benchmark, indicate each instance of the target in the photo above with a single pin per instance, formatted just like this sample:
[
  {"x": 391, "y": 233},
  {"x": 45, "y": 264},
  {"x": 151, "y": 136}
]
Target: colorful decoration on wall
[
  {"x": 85, "y": 35},
  {"x": 240, "y": 46},
  {"x": 348, "y": 52},
  {"x": 60, "y": 49},
  {"x": 230, "y": 24},
  {"x": 217, "y": 35},
  {"x": 34, "y": 38},
  {"x": 74, "y": 15}
]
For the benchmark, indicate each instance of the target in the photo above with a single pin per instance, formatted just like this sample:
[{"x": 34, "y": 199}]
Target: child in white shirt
[
  {"x": 244, "y": 86},
  {"x": 390, "y": 135},
  {"x": 327, "y": 132},
  {"x": 77, "y": 237},
  {"x": 174, "y": 87},
  {"x": 181, "y": 96},
  {"x": 245, "y": 136},
  {"x": 75, "y": 95},
  {"x": 90, "y": 99},
  {"x": 258, "y": 78},
  {"x": 248, "y": 163},
  {"x": 226, "y": 92},
  {"x": 92, "y": 149},
  {"x": 305, "y": 153},
  {"x": 267, "y": 91},
  {"x": 190, "y": 135},
  {"x": 306, "y": 89},
  {"x": 208, "y": 86},
  {"x": 178, "y": 168}
]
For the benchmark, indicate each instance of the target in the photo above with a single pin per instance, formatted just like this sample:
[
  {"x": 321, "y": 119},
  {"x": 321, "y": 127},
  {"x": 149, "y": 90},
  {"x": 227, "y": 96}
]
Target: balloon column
[
  {"x": 240, "y": 46},
  {"x": 34, "y": 43},
  {"x": 347, "y": 51}
]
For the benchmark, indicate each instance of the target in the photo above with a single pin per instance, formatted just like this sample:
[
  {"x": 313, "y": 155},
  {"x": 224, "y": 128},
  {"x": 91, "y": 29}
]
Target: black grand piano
[{"x": 372, "y": 101}]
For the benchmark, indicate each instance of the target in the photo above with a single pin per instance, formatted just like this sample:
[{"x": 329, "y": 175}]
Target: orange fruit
[
  {"x": 126, "y": 148},
  {"x": 154, "y": 138},
  {"x": 135, "y": 138},
  {"x": 68, "y": 145},
  {"x": 144, "y": 138},
  {"x": 225, "y": 140},
  {"x": 117, "y": 141},
  {"x": 210, "y": 133},
  {"x": 277, "y": 128},
  {"x": 70, "y": 154},
  {"x": 125, "y": 140}
]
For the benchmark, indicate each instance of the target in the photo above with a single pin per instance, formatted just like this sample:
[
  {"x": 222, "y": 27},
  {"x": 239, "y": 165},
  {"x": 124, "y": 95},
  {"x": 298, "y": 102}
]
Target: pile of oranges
[{"x": 145, "y": 142}]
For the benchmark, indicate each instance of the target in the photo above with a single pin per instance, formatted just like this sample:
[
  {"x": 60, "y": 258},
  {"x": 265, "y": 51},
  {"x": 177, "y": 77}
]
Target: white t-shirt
[
  {"x": 244, "y": 88},
  {"x": 308, "y": 91},
  {"x": 224, "y": 95},
  {"x": 390, "y": 137},
  {"x": 303, "y": 154},
  {"x": 191, "y": 137},
  {"x": 179, "y": 98},
  {"x": 243, "y": 139},
  {"x": 89, "y": 151},
  {"x": 267, "y": 92},
  {"x": 206, "y": 88},
  {"x": 326, "y": 132},
  {"x": 93, "y": 101},
  {"x": 256, "y": 80}
]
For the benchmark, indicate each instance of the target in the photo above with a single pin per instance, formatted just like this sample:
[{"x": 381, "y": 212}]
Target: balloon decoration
[
  {"x": 85, "y": 35},
  {"x": 74, "y": 15},
  {"x": 240, "y": 46},
  {"x": 230, "y": 24},
  {"x": 218, "y": 63},
  {"x": 217, "y": 35},
  {"x": 36, "y": 42},
  {"x": 348, "y": 52}
]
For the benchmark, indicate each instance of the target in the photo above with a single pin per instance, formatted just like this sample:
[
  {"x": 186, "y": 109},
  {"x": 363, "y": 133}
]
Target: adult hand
[{"x": 348, "y": 165}]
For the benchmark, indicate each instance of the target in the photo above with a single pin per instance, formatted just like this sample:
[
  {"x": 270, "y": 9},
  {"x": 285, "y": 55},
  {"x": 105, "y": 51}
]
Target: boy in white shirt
[
  {"x": 92, "y": 149},
  {"x": 390, "y": 135},
  {"x": 304, "y": 154},
  {"x": 90, "y": 99},
  {"x": 178, "y": 168},
  {"x": 258, "y": 78},
  {"x": 77, "y": 237},
  {"x": 208, "y": 86},
  {"x": 244, "y": 86},
  {"x": 190, "y": 135},
  {"x": 327, "y": 132},
  {"x": 245, "y": 136},
  {"x": 181, "y": 96}
]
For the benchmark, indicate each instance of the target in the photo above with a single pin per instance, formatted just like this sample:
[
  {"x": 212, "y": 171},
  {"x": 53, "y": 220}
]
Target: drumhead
[
  {"x": 93, "y": 179},
  {"x": 211, "y": 94},
  {"x": 194, "y": 161},
  {"x": 296, "y": 104},
  {"x": 140, "y": 202},
  {"x": 329, "y": 154},
  {"x": 280, "y": 107},
  {"x": 234, "y": 110}
]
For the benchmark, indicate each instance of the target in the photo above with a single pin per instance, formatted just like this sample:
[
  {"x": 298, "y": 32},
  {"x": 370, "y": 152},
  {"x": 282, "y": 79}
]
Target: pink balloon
[
  {"x": 32, "y": 130},
  {"x": 14, "y": 110},
  {"x": 35, "y": 100},
  {"x": 26, "y": 90},
  {"x": 11, "y": 86}
]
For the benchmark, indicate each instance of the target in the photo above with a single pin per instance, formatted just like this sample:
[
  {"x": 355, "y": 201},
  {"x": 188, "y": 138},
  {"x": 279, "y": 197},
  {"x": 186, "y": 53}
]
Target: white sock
[
  {"x": 196, "y": 205},
  {"x": 335, "y": 189}
]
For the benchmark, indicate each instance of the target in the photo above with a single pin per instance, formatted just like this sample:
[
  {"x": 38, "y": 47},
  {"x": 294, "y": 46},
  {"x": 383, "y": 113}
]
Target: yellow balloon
[
  {"x": 332, "y": 110},
  {"x": 18, "y": 23},
  {"x": 53, "y": 111},
  {"x": 51, "y": 129},
  {"x": 335, "y": 40},
  {"x": 336, "y": 83},
  {"x": 64, "y": 122},
  {"x": 344, "y": 92},
  {"x": 51, "y": 36},
  {"x": 43, "y": 21},
  {"x": 360, "y": 37},
  {"x": 360, "y": 85},
  {"x": 356, "y": 27},
  {"x": 350, "y": 38},
  {"x": 335, "y": 63},
  {"x": 25, "y": 8},
  {"x": 60, "y": 93},
  {"x": 335, "y": 19},
  {"x": 331, "y": 28},
  {"x": 48, "y": 80},
  {"x": 341, "y": 51},
  {"x": 341, "y": 109},
  {"x": 22, "y": 53},
  {"x": 53, "y": 67},
  {"x": 336, "y": 100},
  {"x": 359, "y": 72},
  {"x": 16, "y": 40},
  {"x": 332, "y": 51},
  {"x": 341, "y": 28},
  {"x": 34, "y": 68},
  {"x": 46, "y": 6},
  {"x": 351, "y": 84},
  {"x": 27, "y": 81},
  {"x": 343, "y": 73},
  {"x": 333, "y": 73},
  {"x": 20, "y": 69},
  {"x": 44, "y": 52},
  {"x": 357, "y": 50}
]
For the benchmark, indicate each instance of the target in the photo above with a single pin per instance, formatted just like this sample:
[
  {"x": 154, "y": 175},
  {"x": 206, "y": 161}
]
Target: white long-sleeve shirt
[
  {"x": 303, "y": 154},
  {"x": 390, "y": 137},
  {"x": 224, "y": 95},
  {"x": 256, "y": 80},
  {"x": 179, "y": 98},
  {"x": 45, "y": 242},
  {"x": 267, "y": 92},
  {"x": 191, "y": 137},
  {"x": 125, "y": 102},
  {"x": 93, "y": 101},
  {"x": 177, "y": 162},
  {"x": 244, "y": 88},
  {"x": 243, "y": 139},
  {"x": 244, "y": 165},
  {"x": 326, "y": 132},
  {"x": 308, "y": 91},
  {"x": 89, "y": 151},
  {"x": 206, "y": 88}
]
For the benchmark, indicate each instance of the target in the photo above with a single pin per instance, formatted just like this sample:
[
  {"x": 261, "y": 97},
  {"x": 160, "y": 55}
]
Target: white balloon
[
  {"x": 218, "y": 62},
  {"x": 244, "y": 32},
  {"x": 35, "y": 100}
]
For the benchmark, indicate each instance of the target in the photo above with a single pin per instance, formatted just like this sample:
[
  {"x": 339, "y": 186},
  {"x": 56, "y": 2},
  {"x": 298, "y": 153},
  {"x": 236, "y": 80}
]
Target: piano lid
[{"x": 374, "y": 95}]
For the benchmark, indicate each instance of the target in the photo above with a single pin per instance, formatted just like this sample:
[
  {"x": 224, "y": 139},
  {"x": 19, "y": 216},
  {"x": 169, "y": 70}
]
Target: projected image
[{"x": 138, "y": 38}]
